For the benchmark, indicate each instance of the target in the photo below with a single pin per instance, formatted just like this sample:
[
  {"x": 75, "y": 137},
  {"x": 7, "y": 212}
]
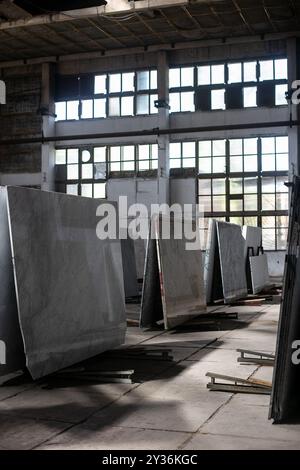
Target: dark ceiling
[{"x": 38, "y": 7}]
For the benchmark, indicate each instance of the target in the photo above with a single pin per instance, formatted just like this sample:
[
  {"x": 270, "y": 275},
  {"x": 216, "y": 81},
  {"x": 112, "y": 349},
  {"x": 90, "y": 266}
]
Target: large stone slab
[
  {"x": 259, "y": 273},
  {"x": 173, "y": 279},
  {"x": 69, "y": 283},
  {"x": 231, "y": 251},
  {"x": 131, "y": 287},
  {"x": 212, "y": 271},
  {"x": 253, "y": 244}
]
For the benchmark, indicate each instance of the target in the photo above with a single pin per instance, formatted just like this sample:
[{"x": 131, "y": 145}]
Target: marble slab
[
  {"x": 253, "y": 239},
  {"x": 212, "y": 270},
  {"x": 10, "y": 332},
  {"x": 129, "y": 268},
  {"x": 69, "y": 283},
  {"x": 179, "y": 278},
  {"x": 259, "y": 273},
  {"x": 231, "y": 252}
]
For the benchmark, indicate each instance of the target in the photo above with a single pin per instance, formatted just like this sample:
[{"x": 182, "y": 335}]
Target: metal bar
[
  {"x": 242, "y": 16},
  {"x": 260, "y": 358},
  {"x": 269, "y": 17},
  {"x": 238, "y": 380},
  {"x": 238, "y": 389},
  {"x": 148, "y": 132},
  {"x": 103, "y": 31}
]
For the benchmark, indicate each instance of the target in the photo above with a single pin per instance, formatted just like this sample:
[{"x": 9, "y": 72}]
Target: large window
[
  {"x": 243, "y": 181},
  {"x": 114, "y": 94},
  {"x": 230, "y": 85}
]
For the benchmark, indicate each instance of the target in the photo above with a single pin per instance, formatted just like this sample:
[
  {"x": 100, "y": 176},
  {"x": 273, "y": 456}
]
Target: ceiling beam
[{"x": 11, "y": 11}]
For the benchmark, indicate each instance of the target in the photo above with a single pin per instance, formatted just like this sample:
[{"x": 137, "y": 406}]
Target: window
[
  {"x": 147, "y": 157},
  {"x": 182, "y": 154},
  {"x": 243, "y": 181},
  {"x": 181, "y": 83},
  {"x": 122, "y": 158}
]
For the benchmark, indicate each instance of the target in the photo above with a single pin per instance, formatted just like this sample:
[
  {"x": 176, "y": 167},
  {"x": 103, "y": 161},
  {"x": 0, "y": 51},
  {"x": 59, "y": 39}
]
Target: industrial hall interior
[{"x": 149, "y": 225}]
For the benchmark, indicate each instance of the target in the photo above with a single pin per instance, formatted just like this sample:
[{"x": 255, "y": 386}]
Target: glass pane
[
  {"x": 281, "y": 235},
  {"x": 60, "y": 157},
  {"x": 236, "y": 146},
  {"x": 204, "y": 75},
  {"x": 250, "y": 221},
  {"x": 268, "y": 221},
  {"x": 85, "y": 156},
  {"x": 282, "y": 162},
  {"x": 127, "y": 106},
  {"x": 280, "y": 91},
  {"x": 72, "y": 172},
  {"x": 174, "y": 78},
  {"x": 282, "y": 144},
  {"x": 268, "y": 202},
  {"x": 219, "y": 164},
  {"x": 280, "y": 186},
  {"x": 187, "y": 76},
  {"x": 60, "y": 111},
  {"x": 99, "y": 154},
  {"x": 281, "y": 69},
  {"x": 99, "y": 190},
  {"x": 87, "y": 171},
  {"x": 115, "y": 166},
  {"x": 250, "y": 72},
  {"x": 268, "y": 236},
  {"x": 250, "y": 202},
  {"x": 127, "y": 166},
  {"x": 268, "y": 163},
  {"x": 175, "y": 150},
  {"x": 128, "y": 81},
  {"x": 87, "y": 190},
  {"x": 115, "y": 154},
  {"x": 187, "y": 101},
  {"x": 219, "y": 147},
  {"x": 236, "y": 186},
  {"x": 236, "y": 205},
  {"x": 72, "y": 189},
  {"x": 204, "y": 186},
  {"x": 154, "y": 164},
  {"x": 219, "y": 203},
  {"x": 72, "y": 156},
  {"x": 99, "y": 171},
  {"x": 205, "y": 203},
  {"x": 218, "y": 99},
  {"x": 236, "y": 164},
  {"x": 250, "y": 163},
  {"x": 100, "y": 84},
  {"x": 268, "y": 185},
  {"x": 143, "y": 80},
  {"x": 250, "y": 96},
  {"x": 128, "y": 152},
  {"x": 100, "y": 108},
  {"x": 188, "y": 149},
  {"x": 266, "y": 70},
  {"x": 142, "y": 104},
  {"x": 282, "y": 221},
  {"x": 153, "y": 109},
  {"x": 154, "y": 151},
  {"x": 268, "y": 145},
  {"x": 72, "y": 109},
  {"x": 236, "y": 220},
  {"x": 282, "y": 202},
  {"x": 250, "y": 146},
  {"x": 188, "y": 163},
  {"x": 144, "y": 152},
  {"x": 115, "y": 83},
  {"x": 205, "y": 165},
  {"x": 217, "y": 74},
  {"x": 87, "y": 109},
  {"x": 250, "y": 185},
  {"x": 205, "y": 148},
  {"x": 114, "y": 106},
  {"x": 175, "y": 163},
  {"x": 234, "y": 73},
  {"x": 174, "y": 102},
  {"x": 144, "y": 165},
  {"x": 218, "y": 186},
  {"x": 153, "y": 79}
]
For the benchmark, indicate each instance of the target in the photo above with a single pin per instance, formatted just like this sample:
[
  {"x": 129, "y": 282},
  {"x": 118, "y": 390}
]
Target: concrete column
[
  {"x": 47, "y": 110},
  {"x": 163, "y": 191},
  {"x": 293, "y": 55}
]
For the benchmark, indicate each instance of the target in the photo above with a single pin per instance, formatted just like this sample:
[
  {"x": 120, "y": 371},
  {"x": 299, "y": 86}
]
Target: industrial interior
[{"x": 113, "y": 340}]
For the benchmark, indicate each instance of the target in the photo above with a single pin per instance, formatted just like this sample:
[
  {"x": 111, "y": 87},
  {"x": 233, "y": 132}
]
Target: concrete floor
[{"x": 168, "y": 406}]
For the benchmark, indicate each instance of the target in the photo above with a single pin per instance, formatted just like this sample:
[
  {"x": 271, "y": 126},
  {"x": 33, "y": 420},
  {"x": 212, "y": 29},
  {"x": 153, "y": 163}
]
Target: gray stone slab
[
  {"x": 231, "y": 251},
  {"x": 253, "y": 239},
  {"x": 259, "y": 273},
  {"x": 131, "y": 287},
  {"x": 69, "y": 283},
  {"x": 212, "y": 271},
  {"x": 10, "y": 332},
  {"x": 19, "y": 433},
  {"x": 92, "y": 436}
]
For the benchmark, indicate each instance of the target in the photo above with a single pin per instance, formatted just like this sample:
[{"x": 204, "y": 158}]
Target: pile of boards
[{"x": 61, "y": 289}]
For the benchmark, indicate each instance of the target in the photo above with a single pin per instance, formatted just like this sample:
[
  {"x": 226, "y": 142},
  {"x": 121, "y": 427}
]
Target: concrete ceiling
[{"x": 122, "y": 23}]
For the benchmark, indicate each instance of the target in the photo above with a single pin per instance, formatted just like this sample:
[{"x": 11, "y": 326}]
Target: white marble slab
[
  {"x": 69, "y": 283},
  {"x": 178, "y": 274},
  {"x": 253, "y": 243},
  {"x": 259, "y": 273},
  {"x": 232, "y": 261}
]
